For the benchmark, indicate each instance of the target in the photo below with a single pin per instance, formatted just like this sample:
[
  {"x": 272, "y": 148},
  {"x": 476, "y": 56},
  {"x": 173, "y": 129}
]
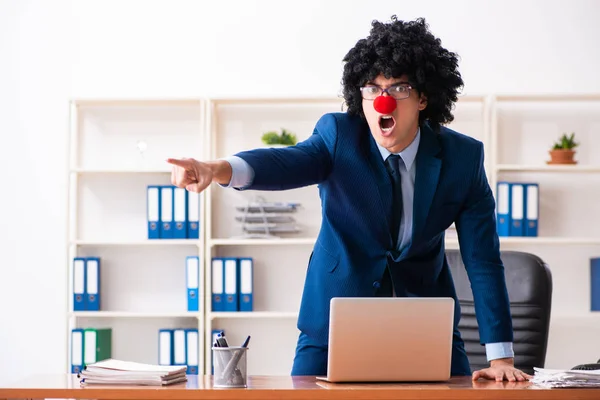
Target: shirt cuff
[
  {"x": 242, "y": 173},
  {"x": 499, "y": 350}
]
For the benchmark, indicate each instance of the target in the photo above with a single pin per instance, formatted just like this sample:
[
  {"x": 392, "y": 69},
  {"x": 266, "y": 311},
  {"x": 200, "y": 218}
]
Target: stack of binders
[
  {"x": 89, "y": 346},
  {"x": 232, "y": 284},
  {"x": 172, "y": 212},
  {"x": 86, "y": 284},
  {"x": 179, "y": 347},
  {"x": 517, "y": 209}
]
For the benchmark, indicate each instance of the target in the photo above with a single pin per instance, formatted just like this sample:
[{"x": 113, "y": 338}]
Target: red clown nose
[{"x": 384, "y": 104}]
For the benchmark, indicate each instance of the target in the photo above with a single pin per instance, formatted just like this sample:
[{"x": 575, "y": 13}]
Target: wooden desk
[{"x": 266, "y": 387}]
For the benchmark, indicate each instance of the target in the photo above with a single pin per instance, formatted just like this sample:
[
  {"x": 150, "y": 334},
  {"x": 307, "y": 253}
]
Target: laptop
[{"x": 390, "y": 339}]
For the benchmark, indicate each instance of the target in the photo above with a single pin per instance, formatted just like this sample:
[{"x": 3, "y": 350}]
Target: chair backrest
[{"x": 529, "y": 285}]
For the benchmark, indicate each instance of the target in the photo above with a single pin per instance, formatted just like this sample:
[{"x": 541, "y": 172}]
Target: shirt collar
[{"x": 408, "y": 154}]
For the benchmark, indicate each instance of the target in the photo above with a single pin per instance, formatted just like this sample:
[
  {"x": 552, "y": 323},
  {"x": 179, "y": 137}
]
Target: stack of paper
[
  {"x": 115, "y": 372},
  {"x": 565, "y": 378}
]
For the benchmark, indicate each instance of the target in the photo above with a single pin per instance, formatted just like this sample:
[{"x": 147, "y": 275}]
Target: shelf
[
  {"x": 275, "y": 100},
  {"x": 550, "y": 240},
  {"x": 539, "y": 240},
  {"x": 308, "y": 100},
  {"x": 129, "y": 314},
  {"x": 549, "y": 168},
  {"x": 253, "y": 314},
  {"x": 592, "y": 316},
  {"x": 262, "y": 242},
  {"x": 549, "y": 97},
  {"x": 449, "y": 240},
  {"x": 120, "y": 171},
  {"x": 137, "y": 102},
  {"x": 153, "y": 242}
]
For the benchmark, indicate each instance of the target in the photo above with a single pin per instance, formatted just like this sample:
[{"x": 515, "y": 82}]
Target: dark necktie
[{"x": 393, "y": 166}]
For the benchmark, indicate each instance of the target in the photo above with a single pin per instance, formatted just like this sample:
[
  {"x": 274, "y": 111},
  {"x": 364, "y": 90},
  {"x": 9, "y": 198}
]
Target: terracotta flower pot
[{"x": 562, "y": 156}]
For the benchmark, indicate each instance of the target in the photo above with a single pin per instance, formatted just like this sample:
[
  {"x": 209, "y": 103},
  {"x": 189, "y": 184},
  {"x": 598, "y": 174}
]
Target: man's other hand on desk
[
  {"x": 489, "y": 385},
  {"x": 502, "y": 369}
]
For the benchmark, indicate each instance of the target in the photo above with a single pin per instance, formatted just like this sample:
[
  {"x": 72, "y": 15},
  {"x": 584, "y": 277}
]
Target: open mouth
[{"x": 386, "y": 123}]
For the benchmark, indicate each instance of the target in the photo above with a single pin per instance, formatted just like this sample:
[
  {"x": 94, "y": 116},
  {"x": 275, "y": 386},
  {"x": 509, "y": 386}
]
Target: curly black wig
[{"x": 404, "y": 47}]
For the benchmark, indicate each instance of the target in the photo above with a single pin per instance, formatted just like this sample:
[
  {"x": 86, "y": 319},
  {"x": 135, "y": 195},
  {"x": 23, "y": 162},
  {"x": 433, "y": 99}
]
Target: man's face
[{"x": 397, "y": 129}]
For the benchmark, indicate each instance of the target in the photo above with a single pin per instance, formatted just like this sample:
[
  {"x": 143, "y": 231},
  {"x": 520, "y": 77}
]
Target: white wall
[{"x": 52, "y": 50}]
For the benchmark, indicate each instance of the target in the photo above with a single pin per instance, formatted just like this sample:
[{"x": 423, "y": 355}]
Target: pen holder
[{"x": 230, "y": 367}]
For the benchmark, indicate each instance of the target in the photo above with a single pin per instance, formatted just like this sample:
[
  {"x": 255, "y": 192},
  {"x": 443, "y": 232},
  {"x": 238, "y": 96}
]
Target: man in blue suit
[{"x": 391, "y": 179}]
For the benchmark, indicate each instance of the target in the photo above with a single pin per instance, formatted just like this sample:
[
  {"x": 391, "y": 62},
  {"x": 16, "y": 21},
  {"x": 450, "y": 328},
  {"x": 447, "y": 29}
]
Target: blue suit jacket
[{"x": 354, "y": 244}]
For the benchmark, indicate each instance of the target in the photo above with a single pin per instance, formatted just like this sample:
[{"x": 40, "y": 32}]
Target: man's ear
[{"x": 422, "y": 102}]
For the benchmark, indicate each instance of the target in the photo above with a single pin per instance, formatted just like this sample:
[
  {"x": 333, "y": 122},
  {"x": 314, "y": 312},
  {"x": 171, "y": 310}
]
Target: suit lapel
[
  {"x": 428, "y": 166},
  {"x": 382, "y": 180},
  {"x": 426, "y": 179}
]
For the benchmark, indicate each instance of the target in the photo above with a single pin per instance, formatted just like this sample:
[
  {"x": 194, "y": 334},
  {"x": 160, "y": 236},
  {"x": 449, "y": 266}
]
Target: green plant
[
  {"x": 270, "y": 138},
  {"x": 565, "y": 142},
  {"x": 286, "y": 137}
]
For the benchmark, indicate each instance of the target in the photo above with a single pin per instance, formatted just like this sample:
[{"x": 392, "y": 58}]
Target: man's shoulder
[
  {"x": 340, "y": 119},
  {"x": 455, "y": 141},
  {"x": 459, "y": 138},
  {"x": 341, "y": 116}
]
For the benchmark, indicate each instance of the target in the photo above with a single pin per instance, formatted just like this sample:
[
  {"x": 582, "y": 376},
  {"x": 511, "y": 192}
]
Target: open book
[{"x": 116, "y": 372}]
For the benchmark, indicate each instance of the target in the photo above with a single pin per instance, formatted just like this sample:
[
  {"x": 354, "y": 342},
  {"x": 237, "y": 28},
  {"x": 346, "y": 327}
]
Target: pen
[
  {"x": 246, "y": 341},
  {"x": 232, "y": 369},
  {"x": 222, "y": 342}
]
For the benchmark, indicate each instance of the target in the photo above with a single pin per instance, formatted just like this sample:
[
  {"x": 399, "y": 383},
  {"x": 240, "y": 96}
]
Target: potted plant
[
  {"x": 562, "y": 151},
  {"x": 273, "y": 139}
]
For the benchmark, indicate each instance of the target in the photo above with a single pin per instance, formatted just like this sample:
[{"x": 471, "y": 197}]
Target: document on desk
[
  {"x": 565, "y": 378},
  {"x": 117, "y": 372}
]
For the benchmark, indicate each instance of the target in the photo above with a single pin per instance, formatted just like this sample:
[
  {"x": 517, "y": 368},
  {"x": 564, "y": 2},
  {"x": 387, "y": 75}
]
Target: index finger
[{"x": 178, "y": 162}]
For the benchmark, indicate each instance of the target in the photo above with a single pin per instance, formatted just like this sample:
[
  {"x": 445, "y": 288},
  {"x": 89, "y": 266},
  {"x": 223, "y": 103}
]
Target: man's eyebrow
[{"x": 393, "y": 84}]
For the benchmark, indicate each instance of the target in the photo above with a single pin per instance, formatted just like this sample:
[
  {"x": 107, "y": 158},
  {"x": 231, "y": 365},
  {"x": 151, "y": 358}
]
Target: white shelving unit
[
  {"x": 523, "y": 130},
  {"x": 117, "y": 148},
  {"x": 143, "y": 286}
]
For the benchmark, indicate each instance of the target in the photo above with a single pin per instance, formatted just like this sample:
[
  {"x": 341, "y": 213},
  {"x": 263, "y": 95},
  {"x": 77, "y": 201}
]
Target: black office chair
[{"x": 529, "y": 284}]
